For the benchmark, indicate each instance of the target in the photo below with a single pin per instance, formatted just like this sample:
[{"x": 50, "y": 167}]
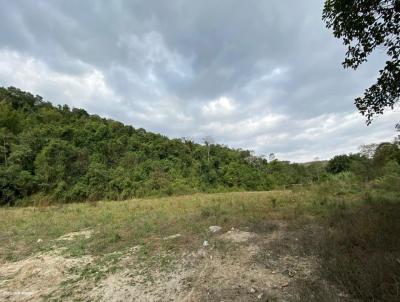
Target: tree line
[{"x": 57, "y": 154}]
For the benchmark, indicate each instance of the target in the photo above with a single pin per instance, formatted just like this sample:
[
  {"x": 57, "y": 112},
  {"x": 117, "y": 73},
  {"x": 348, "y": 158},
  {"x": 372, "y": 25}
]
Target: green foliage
[
  {"x": 59, "y": 154},
  {"x": 383, "y": 161},
  {"x": 59, "y": 162},
  {"x": 339, "y": 163},
  {"x": 343, "y": 163}
]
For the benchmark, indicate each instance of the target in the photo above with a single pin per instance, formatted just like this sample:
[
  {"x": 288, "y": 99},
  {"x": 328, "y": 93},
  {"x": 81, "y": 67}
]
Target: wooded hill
[
  {"x": 67, "y": 154},
  {"x": 61, "y": 154}
]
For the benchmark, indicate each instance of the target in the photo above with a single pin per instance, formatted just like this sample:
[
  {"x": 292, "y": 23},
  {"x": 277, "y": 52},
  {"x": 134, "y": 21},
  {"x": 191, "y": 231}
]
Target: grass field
[{"x": 312, "y": 244}]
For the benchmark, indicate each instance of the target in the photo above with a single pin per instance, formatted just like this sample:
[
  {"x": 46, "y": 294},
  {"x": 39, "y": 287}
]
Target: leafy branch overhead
[{"x": 366, "y": 25}]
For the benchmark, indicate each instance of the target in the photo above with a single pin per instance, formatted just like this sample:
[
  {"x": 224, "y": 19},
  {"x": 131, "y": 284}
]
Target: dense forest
[{"x": 59, "y": 154}]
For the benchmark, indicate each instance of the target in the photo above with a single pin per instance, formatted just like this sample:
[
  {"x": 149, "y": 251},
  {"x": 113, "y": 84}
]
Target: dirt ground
[{"x": 232, "y": 265}]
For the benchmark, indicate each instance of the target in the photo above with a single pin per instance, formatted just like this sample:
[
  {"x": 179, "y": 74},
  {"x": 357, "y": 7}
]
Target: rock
[
  {"x": 202, "y": 253},
  {"x": 39, "y": 240},
  {"x": 86, "y": 233},
  {"x": 260, "y": 296},
  {"x": 134, "y": 249},
  {"x": 205, "y": 243},
  {"x": 172, "y": 237},
  {"x": 252, "y": 290},
  {"x": 214, "y": 228}
]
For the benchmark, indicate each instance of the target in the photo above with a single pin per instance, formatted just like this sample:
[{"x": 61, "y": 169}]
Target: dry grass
[
  {"x": 355, "y": 235},
  {"x": 360, "y": 251}
]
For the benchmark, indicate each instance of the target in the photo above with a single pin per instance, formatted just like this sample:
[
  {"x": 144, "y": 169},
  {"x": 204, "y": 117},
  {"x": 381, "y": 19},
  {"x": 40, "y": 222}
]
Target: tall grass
[{"x": 360, "y": 249}]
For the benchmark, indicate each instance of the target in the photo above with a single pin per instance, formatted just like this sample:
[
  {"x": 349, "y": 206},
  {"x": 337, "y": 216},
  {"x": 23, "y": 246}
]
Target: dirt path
[{"x": 235, "y": 265}]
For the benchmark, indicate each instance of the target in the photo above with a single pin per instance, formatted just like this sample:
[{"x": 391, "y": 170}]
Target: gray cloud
[{"x": 264, "y": 75}]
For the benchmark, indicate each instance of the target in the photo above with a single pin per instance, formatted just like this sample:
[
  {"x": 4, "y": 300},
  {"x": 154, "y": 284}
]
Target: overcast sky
[{"x": 259, "y": 75}]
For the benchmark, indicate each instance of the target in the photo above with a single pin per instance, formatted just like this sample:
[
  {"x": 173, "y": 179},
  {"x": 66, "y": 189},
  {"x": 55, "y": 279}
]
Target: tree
[
  {"x": 364, "y": 26},
  {"x": 5, "y": 142},
  {"x": 368, "y": 150},
  {"x": 208, "y": 141},
  {"x": 59, "y": 162},
  {"x": 271, "y": 157},
  {"x": 339, "y": 163},
  {"x": 384, "y": 153}
]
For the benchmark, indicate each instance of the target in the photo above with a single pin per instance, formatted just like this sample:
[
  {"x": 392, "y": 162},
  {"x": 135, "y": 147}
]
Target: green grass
[{"x": 123, "y": 224}]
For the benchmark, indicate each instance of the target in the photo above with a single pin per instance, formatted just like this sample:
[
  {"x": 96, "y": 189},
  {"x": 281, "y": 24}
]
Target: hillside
[{"x": 61, "y": 154}]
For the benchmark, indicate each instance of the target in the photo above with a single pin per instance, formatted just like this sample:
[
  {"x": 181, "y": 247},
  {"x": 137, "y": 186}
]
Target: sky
[{"x": 258, "y": 75}]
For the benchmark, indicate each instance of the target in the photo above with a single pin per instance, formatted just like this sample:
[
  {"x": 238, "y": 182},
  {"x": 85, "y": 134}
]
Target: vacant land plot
[{"x": 303, "y": 245}]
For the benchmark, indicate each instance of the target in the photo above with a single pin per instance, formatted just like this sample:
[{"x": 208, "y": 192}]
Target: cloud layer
[{"x": 260, "y": 75}]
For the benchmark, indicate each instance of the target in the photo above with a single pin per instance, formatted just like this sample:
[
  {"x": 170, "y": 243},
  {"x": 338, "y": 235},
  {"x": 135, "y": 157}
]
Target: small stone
[
  {"x": 260, "y": 296},
  {"x": 252, "y": 290},
  {"x": 202, "y": 253},
  {"x": 172, "y": 237},
  {"x": 39, "y": 240},
  {"x": 214, "y": 228},
  {"x": 205, "y": 243}
]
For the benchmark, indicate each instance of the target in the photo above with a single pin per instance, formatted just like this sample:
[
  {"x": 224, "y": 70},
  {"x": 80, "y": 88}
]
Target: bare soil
[{"x": 236, "y": 265}]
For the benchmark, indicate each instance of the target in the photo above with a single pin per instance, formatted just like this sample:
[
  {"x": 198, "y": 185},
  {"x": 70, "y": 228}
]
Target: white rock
[
  {"x": 252, "y": 290},
  {"x": 39, "y": 240},
  {"x": 134, "y": 249},
  {"x": 205, "y": 243},
  {"x": 260, "y": 296},
  {"x": 172, "y": 237},
  {"x": 202, "y": 253},
  {"x": 214, "y": 228}
]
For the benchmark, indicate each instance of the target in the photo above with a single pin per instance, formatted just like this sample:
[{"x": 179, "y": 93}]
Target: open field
[{"x": 305, "y": 245}]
